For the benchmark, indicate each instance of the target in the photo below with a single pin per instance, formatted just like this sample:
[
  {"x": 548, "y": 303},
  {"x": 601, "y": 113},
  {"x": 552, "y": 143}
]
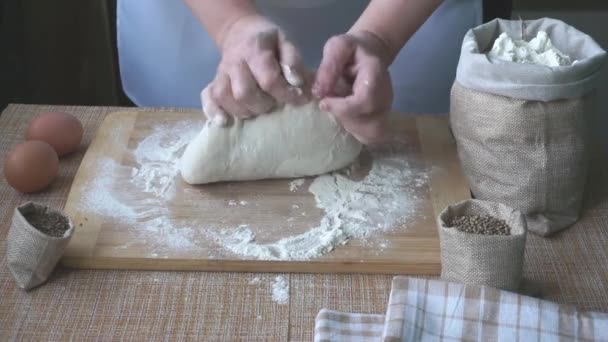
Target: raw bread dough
[{"x": 293, "y": 141}]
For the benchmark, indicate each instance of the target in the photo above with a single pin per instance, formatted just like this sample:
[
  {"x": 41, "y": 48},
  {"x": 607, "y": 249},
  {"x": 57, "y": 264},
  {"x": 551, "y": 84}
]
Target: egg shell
[
  {"x": 60, "y": 130},
  {"x": 31, "y": 166}
]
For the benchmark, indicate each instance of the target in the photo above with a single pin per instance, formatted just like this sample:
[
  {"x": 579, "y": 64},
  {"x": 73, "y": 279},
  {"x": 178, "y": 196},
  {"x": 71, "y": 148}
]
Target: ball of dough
[{"x": 293, "y": 141}]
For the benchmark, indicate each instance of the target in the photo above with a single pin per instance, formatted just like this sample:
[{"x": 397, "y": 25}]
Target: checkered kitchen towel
[
  {"x": 435, "y": 310},
  {"x": 341, "y": 326}
]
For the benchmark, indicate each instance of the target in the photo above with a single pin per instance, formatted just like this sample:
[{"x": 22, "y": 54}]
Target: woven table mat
[{"x": 570, "y": 268}]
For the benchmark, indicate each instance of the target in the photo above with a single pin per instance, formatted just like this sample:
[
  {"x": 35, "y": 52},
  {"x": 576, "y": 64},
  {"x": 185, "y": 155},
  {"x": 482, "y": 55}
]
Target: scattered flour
[
  {"x": 255, "y": 281},
  {"x": 100, "y": 194},
  {"x": 280, "y": 290},
  {"x": 157, "y": 156},
  {"x": 539, "y": 51},
  {"x": 296, "y": 184}
]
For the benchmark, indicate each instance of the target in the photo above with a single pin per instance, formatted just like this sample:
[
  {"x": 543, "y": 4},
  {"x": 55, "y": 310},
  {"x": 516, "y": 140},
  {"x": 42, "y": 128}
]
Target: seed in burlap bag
[
  {"x": 31, "y": 253},
  {"x": 522, "y": 129},
  {"x": 488, "y": 260}
]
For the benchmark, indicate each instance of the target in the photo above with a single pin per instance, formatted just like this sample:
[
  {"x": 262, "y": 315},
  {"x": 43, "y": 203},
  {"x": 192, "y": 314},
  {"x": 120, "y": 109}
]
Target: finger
[
  {"x": 212, "y": 111},
  {"x": 337, "y": 54},
  {"x": 269, "y": 77},
  {"x": 359, "y": 103},
  {"x": 221, "y": 94},
  {"x": 292, "y": 76},
  {"x": 342, "y": 88},
  {"x": 368, "y": 93},
  {"x": 368, "y": 130},
  {"x": 267, "y": 40},
  {"x": 291, "y": 62},
  {"x": 246, "y": 91}
]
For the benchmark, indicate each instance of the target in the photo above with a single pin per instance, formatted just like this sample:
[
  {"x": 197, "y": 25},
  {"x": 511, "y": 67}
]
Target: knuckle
[
  {"x": 375, "y": 64},
  {"x": 214, "y": 94},
  {"x": 265, "y": 58},
  {"x": 367, "y": 103},
  {"x": 243, "y": 93},
  {"x": 219, "y": 92},
  {"x": 264, "y": 36},
  {"x": 340, "y": 42},
  {"x": 267, "y": 107},
  {"x": 224, "y": 65},
  {"x": 269, "y": 80}
]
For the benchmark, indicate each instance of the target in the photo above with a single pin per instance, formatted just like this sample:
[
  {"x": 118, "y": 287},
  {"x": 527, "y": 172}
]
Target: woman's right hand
[{"x": 259, "y": 69}]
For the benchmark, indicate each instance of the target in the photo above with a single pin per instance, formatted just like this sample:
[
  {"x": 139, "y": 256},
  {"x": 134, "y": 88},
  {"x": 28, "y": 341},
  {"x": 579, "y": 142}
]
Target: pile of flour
[
  {"x": 539, "y": 50},
  {"x": 352, "y": 208}
]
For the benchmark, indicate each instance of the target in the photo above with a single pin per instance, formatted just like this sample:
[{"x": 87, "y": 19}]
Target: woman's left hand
[{"x": 362, "y": 60}]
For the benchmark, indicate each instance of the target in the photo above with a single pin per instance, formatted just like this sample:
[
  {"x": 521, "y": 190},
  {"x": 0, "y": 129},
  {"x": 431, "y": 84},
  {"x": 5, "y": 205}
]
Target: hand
[
  {"x": 259, "y": 68},
  {"x": 362, "y": 60}
]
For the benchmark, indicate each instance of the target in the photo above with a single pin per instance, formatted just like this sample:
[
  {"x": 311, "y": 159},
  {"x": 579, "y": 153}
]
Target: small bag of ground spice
[
  {"x": 482, "y": 243},
  {"x": 36, "y": 241}
]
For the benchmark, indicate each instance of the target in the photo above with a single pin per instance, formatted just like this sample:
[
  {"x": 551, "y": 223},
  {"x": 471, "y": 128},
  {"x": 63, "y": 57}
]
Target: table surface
[{"x": 570, "y": 267}]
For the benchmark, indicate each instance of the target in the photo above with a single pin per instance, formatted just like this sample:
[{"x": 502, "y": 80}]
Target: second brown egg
[{"x": 60, "y": 130}]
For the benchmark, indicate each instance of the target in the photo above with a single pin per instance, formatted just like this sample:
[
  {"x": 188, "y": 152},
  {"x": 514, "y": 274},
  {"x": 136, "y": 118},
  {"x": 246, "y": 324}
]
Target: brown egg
[
  {"x": 31, "y": 166},
  {"x": 61, "y": 130}
]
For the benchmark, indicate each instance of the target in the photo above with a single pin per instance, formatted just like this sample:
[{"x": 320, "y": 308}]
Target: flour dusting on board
[
  {"x": 157, "y": 156},
  {"x": 156, "y": 172},
  {"x": 295, "y": 184},
  {"x": 352, "y": 208}
]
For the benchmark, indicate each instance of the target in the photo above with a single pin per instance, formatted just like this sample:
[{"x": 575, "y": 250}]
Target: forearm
[
  {"x": 393, "y": 22},
  {"x": 218, "y": 16}
]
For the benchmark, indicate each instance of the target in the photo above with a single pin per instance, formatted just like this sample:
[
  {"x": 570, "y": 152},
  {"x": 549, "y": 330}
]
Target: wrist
[
  {"x": 376, "y": 43},
  {"x": 239, "y": 25}
]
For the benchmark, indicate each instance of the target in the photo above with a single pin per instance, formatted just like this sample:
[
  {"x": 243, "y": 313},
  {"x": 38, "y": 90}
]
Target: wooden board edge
[
  {"x": 430, "y": 268},
  {"x": 448, "y": 182},
  {"x": 88, "y": 227}
]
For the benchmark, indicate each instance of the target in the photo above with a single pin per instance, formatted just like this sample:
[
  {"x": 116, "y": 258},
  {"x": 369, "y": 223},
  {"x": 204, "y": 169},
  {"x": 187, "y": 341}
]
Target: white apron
[{"x": 166, "y": 57}]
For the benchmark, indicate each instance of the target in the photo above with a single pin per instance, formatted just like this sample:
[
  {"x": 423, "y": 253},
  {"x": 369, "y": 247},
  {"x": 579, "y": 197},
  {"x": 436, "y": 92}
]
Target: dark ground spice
[
  {"x": 49, "y": 223},
  {"x": 485, "y": 225}
]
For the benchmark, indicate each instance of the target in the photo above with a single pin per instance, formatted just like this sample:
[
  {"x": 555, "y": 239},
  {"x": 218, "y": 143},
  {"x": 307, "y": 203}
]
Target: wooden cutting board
[{"x": 108, "y": 234}]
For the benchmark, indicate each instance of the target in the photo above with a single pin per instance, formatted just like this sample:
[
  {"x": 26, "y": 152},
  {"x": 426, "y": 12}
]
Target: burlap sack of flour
[
  {"x": 32, "y": 255},
  {"x": 522, "y": 129},
  {"x": 489, "y": 260}
]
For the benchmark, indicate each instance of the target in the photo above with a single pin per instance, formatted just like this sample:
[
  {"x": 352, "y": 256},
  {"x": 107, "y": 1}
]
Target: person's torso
[{"x": 166, "y": 57}]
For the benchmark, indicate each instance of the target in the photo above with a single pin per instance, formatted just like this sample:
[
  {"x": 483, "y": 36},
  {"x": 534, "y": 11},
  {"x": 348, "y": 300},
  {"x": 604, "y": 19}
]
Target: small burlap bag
[
  {"x": 522, "y": 129},
  {"x": 489, "y": 260},
  {"x": 32, "y": 255}
]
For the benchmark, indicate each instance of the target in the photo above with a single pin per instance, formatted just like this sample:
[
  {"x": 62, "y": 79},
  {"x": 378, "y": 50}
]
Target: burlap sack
[
  {"x": 31, "y": 254},
  {"x": 489, "y": 260},
  {"x": 522, "y": 129}
]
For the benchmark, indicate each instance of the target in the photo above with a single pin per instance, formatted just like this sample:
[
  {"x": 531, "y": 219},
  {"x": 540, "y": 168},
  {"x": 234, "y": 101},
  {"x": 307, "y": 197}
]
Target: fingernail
[
  {"x": 323, "y": 106},
  {"x": 296, "y": 91},
  {"x": 316, "y": 91},
  {"x": 291, "y": 76},
  {"x": 220, "y": 120}
]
